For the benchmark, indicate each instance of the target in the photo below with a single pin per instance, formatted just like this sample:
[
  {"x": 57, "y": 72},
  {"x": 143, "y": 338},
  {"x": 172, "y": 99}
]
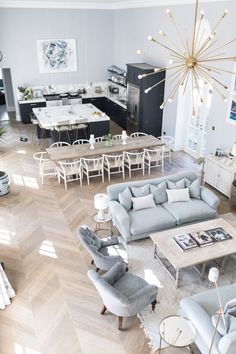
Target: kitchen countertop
[
  {"x": 112, "y": 97},
  {"x": 48, "y": 117}
]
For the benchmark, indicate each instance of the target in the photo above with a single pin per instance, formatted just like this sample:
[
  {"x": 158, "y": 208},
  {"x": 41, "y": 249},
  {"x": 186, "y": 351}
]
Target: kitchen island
[{"x": 98, "y": 123}]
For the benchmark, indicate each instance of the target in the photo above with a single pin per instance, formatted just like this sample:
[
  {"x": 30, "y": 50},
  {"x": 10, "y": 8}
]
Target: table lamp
[
  {"x": 213, "y": 276},
  {"x": 100, "y": 203}
]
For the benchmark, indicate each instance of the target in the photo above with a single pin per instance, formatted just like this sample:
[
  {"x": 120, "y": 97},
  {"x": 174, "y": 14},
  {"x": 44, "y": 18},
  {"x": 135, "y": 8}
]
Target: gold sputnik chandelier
[{"x": 196, "y": 60}]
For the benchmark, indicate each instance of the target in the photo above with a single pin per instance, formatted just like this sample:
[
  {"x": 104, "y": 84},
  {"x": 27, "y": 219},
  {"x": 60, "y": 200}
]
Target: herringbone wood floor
[{"x": 56, "y": 309}]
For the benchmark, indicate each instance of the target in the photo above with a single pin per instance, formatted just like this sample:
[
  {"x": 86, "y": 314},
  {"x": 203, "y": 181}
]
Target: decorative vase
[
  {"x": 4, "y": 183},
  {"x": 124, "y": 137},
  {"x": 92, "y": 142},
  {"x": 108, "y": 142}
]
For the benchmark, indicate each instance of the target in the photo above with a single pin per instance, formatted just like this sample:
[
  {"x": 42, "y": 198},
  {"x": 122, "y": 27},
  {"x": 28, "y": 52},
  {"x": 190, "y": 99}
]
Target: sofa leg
[
  {"x": 97, "y": 269},
  {"x": 103, "y": 310},
  {"x": 153, "y": 304},
  {"x": 120, "y": 321},
  {"x": 92, "y": 261}
]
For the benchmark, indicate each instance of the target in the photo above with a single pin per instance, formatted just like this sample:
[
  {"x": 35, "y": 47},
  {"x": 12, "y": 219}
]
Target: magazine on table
[
  {"x": 218, "y": 234},
  {"x": 185, "y": 242},
  {"x": 202, "y": 238}
]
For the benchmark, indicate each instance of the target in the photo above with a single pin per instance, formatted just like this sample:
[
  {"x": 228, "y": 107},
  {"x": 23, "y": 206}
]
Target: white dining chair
[
  {"x": 59, "y": 144},
  {"x": 99, "y": 139},
  {"x": 137, "y": 134},
  {"x": 69, "y": 171},
  {"x": 154, "y": 158},
  {"x": 80, "y": 142},
  {"x": 45, "y": 165},
  {"x": 134, "y": 161},
  {"x": 114, "y": 164},
  {"x": 117, "y": 137},
  {"x": 169, "y": 144},
  {"x": 93, "y": 167}
]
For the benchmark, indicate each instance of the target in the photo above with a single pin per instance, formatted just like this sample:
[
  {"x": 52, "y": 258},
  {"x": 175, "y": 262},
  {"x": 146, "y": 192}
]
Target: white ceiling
[{"x": 95, "y": 4}]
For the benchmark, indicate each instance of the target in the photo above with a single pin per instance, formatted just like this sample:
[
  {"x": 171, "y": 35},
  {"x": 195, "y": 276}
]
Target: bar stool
[{"x": 64, "y": 126}]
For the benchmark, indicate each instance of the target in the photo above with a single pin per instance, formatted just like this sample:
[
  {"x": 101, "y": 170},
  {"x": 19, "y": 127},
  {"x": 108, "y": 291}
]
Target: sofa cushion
[
  {"x": 194, "y": 188},
  {"x": 140, "y": 191},
  {"x": 144, "y": 202},
  {"x": 189, "y": 212},
  {"x": 178, "y": 195},
  {"x": 159, "y": 192},
  {"x": 125, "y": 199},
  {"x": 150, "y": 220},
  {"x": 180, "y": 184}
]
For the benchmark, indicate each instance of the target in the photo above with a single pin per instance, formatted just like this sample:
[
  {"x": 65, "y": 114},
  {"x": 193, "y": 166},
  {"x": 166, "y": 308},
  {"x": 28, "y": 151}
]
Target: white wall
[
  {"x": 131, "y": 28},
  {"x": 20, "y": 28}
]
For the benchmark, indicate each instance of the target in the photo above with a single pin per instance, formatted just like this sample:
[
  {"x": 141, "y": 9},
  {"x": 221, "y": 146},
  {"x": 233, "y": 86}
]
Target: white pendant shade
[{"x": 213, "y": 275}]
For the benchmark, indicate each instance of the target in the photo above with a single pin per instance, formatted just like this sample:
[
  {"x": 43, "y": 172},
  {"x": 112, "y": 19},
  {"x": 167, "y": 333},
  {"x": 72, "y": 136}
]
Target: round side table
[
  {"x": 177, "y": 331},
  {"x": 99, "y": 222}
]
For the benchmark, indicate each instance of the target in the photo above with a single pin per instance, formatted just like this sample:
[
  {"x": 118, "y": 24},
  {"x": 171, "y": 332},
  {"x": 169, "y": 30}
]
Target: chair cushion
[
  {"x": 159, "y": 192},
  {"x": 194, "y": 210},
  {"x": 150, "y": 220},
  {"x": 194, "y": 188},
  {"x": 125, "y": 199},
  {"x": 134, "y": 282},
  {"x": 176, "y": 185},
  {"x": 178, "y": 195},
  {"x": 144, "y": 202},
  {"x": 140, "y": 191}
]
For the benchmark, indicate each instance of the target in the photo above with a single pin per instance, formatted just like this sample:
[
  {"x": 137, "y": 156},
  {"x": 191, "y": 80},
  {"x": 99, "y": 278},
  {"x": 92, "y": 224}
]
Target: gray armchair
[
  {"x": 123, "y": 294},
  {"x": 101, "y": 250}
]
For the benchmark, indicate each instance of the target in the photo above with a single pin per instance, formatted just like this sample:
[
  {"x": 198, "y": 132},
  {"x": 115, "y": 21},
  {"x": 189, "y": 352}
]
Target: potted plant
[
  {"x": 108, "y": 139},
  {"x": 25, "y": 93},
  {"x": 4, "y": 179}
]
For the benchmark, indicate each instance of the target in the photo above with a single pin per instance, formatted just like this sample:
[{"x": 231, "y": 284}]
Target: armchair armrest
[
  {"x": 115, "y": 273},
  {"x": 210, "y": 198},
  {"x": 144, "y": 297},
  {"x": 104, "y": 262},
  {"x": 109, "y": 241},
  {"x": 227, "y": 344},
  {"x": 120, "y": 219},
  {"x": 201, "y": 320}
]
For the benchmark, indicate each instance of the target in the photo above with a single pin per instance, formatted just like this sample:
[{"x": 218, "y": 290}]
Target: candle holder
[
  {"x": 92, "y": 142},
  {"x": 124, "y": 137}
]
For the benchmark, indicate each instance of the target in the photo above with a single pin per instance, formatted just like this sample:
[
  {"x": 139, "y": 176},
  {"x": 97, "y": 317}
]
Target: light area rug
[{"x": 142, "y": 263}]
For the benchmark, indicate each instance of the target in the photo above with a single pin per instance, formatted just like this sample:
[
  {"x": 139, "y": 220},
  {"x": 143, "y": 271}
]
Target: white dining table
[{"x": 49, "y": 117}]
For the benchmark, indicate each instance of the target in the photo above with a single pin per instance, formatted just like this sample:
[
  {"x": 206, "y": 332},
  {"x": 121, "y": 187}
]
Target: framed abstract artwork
[
  {"x": 57, "y": 55},
  {"x": 231, "y": 114}
]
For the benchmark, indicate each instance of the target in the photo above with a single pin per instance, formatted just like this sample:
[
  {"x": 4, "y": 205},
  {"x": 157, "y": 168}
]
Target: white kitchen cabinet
[{"x": 219, "y": 174}]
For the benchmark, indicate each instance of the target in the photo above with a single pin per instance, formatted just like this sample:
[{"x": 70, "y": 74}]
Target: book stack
[{"x": 195, "y": 239}]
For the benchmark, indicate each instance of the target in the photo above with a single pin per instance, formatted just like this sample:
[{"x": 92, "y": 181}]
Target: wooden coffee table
[{"x": 174, "y": 259}]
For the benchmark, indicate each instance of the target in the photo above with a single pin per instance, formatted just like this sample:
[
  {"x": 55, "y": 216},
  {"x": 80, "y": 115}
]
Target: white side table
[
  {"x": 99, "y": 222},
  {"x": 177, "y": 331}
]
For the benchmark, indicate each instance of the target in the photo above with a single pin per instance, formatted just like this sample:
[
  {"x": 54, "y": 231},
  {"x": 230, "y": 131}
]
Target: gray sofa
[
  {"x": 199, "y": 309},
  {"x": 134, "y": 225}
]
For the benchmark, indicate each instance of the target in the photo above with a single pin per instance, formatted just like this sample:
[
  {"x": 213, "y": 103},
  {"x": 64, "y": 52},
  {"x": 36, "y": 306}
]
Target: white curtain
[{"x": 6, "y": 291}]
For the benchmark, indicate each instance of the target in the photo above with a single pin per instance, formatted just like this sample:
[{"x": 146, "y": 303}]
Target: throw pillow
[
  {"x": 194, "y": 188},
  {"x": 159, "y": 192},
  {"x": 140, "y": 191},
  {"x": 178, "y": 195},
  {"x": 176, "y": 185},
  {"x": 144, "y": 202},
  {"x": 125, "y": 199}
]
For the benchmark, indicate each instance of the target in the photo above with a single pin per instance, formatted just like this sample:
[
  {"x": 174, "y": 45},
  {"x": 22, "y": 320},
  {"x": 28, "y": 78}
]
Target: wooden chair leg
[
  {"x": 120, "y": 321},
  {"x": 103, "y": 310},
  {"x": 92, "y": 261},
  {"x": 97, "y": 269},
  {"x": 153, "y": 304}
]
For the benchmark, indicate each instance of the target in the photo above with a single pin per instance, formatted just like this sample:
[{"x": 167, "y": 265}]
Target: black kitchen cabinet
[
  {"x": 116, "y": 113},
  {"x": 144, "y": 113},
  {"x": 27, "y": 108},
  {"x": 99, "y": 102}
]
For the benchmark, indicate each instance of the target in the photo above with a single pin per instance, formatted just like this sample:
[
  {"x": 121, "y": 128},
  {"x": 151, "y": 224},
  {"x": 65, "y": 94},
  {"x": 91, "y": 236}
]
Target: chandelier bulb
[
  {"x": 168, "y": 12},
  {"x": 150, "y": 38},
  {"x": 202, "y": 13},
  {"x": 170, "y": 99},
  {"x": 140, "y": 77},
  {"x": 162, "y": 106},
  {"x": 147, "y": 90},
  {"x": 225, "y": 99},
  {"x": 139, "y": 51},
  {"x": 162, "y": 33},
  {"x": 171, "y": 61},
  {"x": 156, "y": 70},
  {"x": 226, "y": 12}
]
